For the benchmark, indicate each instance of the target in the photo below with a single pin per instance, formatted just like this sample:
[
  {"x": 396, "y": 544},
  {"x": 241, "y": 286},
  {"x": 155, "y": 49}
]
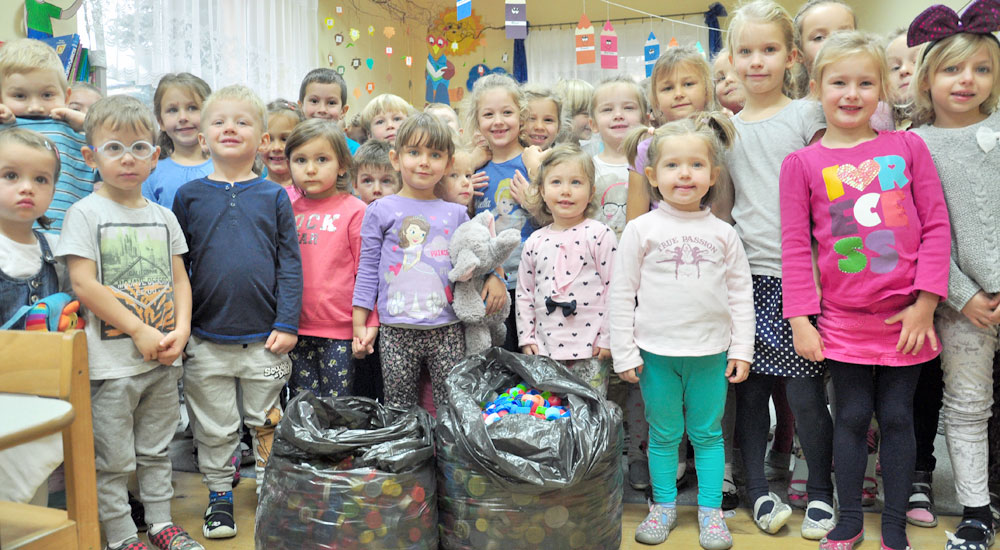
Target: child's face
[
  {"x": 315, "y": 168},
  {"x": 681, "y": 92},
  {"x": 448, "y": 116},
  {"x": 850, "y": 89},
  {"x": 420, "y": 167},
  {"x": 499, "y": 118},
  {"x": 34, "y": 93},
  {"x": 27, "y": 183},
  {"x": 375, "y": 182},
  {"x": 566, "y": 191},
  {"x": 728, "y": 90},
  {"x": 902, "y": 62},
  {"x": 279, "y": 127},
  {"x": 386, "y": 124},
  {"x": 683, "y": 174},
  {"x": 323, "y": 101},
  {"x": 957, "y": 90},
  {"x": 82, "y": 99},
  {"x": 457, "y": 182},
  {"x": 356, "y": 132},
  {"x": 761, "y": 58},
  {"x": 232, "y": 132},
  {"x": 122, "y": 176},
  {"x": 616, "y": 111},
  {"x": 543, "y": 122},
  {"x": 581, "y": 126},
  {"x": 180, "y": 116},
  {"x": 818, "y": 24}
]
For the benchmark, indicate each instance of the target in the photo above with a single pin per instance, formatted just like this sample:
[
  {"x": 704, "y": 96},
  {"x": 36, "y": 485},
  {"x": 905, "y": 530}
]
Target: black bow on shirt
[{"x": 568, "y": 308}]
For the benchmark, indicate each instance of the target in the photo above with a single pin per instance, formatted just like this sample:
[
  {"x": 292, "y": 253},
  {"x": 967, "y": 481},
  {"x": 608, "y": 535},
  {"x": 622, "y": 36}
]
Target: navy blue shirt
[{"x": 244, "y": 262}]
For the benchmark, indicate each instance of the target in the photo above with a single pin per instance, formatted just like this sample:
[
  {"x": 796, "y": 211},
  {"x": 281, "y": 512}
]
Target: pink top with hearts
[{"x": 878, "y": 214}]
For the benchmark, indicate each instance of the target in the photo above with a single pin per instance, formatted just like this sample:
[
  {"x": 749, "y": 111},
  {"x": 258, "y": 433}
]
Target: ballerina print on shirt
[{"x": 415, "y": 287}]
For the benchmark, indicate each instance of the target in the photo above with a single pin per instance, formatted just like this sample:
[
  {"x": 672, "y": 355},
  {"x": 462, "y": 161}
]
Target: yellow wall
[
  {"x": 12, "y": 20},
  {"x": 882, "y": 16}
]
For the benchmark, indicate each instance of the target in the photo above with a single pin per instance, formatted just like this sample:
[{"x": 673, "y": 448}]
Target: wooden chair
[{"x": 52, "y": 365}]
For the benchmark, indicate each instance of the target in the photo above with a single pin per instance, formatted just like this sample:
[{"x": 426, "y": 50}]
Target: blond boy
[{"x": 383, "y": 116}]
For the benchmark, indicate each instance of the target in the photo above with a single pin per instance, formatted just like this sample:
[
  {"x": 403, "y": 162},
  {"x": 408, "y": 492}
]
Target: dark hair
[
  {"x": 373, "y": 153},
  {"x": 428, "y": 130},
  {"x": 324, "y": 76},
  {"x": 197, "y": 87},
  {"x": 311, "y": 129}
]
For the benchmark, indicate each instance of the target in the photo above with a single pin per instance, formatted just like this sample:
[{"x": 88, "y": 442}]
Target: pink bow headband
[{"x": 939, "y": 21}]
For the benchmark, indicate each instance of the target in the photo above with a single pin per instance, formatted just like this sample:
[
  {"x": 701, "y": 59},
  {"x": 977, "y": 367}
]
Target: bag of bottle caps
[
  {"x": 524, "y": 481},
  {"x": 348, "y": 473}
]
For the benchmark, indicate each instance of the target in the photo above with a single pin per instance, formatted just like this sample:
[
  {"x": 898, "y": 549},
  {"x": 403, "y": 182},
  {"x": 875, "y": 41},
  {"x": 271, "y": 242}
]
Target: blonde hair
[
  {"x": 900, "y": 112},
  {"x": 944, "y": 52},
  {"x": 536, "y": 92},
  {"x": 314, "y": 128},
  {"x": 764, "y": 11},
  {"x": 713, "y": 127},
  {"x": 629, "y": 82},
  {"x": 851, "y": 44},
  {"x": 560, "y": 154},
  {"x": 240, "y": 93},
  {"x": 116, "y": 112},
  {"x": 384, "y": 103},
  {"x": 488, "y": 83},
  {"x": 34, "y": 140},
  {"x": 81, "y": 85},
  {"x": 26, "y": 55},
  {"x": 673, "y": 59},
  {"x": 440, "y": 107},
  {"x": 577, "y": 95},
  {"x": 804, "y": 9}
]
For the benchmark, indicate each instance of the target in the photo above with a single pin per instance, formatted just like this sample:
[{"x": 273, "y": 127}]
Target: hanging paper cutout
[
  {"x": 673, "y": 43},
  {"x": 329, "y": 23},
  {"x": 355, "y": 34},
  {"x": 341, "y": 70},
  {"x": 700, "y": 49},
  {"x": 329, "y": 58},
  {"x": 516, "y": 20},
  {"x": 370, "y": 87},
  {"x": 585, "y": 52},
  {"x": 388, "y": 51},
  {"x": 389, "y": 32},
  {"x": 609, "y": 47},
  {"x": 503, "y": 58},
  {"x": 370, "y": 62},
  {"x": 357, "y": 92},
  {"x": 409, "y": 61},
  {"x": 355, "y": 63},
  {"x": 651, "y": 53},
  {"x": 338, "y": 39},
  {"x": 339, "y": 10},
  {"x": 463, "y": 9},
  {"x": 454, "y": 46},
  {"x": 371, "y": 30}
]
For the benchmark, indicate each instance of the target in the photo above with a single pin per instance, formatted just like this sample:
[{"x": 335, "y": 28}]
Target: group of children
[{"x": 775, "y": 226}]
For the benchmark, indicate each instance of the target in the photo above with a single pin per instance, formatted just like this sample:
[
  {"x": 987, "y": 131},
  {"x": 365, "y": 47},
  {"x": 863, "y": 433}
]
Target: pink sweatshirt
[
  {"x": 572, "y": 265},
  {"x": 682, "y": 288},
  {"x": 878, "y": 214}
]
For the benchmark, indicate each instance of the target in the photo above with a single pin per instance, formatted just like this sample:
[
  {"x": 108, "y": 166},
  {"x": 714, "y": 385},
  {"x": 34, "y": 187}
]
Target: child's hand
[
  {"x": 481, "y": 154},
  {"x": 806, "y": 339},
  {"x": 363, "y": 343},
  {"x": 70, "y": 116},
  {"x": 981, "y": 310},
  {"x": 6, "y": 115},
  {"x": 530, "y": 349},
  {"x": 494, "y": 294},
  {"x": 737, "y": 370},
  {"x": 632, "y": 375},
  {"x": 519, "y": 187},
  {"x": 280, "y": 342},
  {"x": 532, "y": 158},
  {"x": 172, "y": 346},
  {"x": 479, "y": 181},
  {"x": 147, "y": 340},
  {"x": 918, "y": 324},
  {"x": 602, "y": 353}
]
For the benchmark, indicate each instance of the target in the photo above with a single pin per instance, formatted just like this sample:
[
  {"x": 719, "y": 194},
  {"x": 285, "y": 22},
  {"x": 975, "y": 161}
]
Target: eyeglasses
[{"x": 114, "y": 150}]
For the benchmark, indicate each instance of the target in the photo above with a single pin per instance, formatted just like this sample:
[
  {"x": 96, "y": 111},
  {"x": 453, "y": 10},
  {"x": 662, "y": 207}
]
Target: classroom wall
[
  {"x": 883, "y": 16},
  {"x": 12, "y": 20}
]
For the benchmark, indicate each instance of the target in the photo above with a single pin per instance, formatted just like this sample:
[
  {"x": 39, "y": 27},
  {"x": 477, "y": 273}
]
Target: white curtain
[
  {"x": 551, "y": 53},
  {"x": 268, "y": 45}
]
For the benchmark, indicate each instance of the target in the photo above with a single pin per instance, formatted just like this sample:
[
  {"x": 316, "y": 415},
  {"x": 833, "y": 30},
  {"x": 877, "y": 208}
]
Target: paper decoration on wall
[
  {"x": 480, "y": 70},
  {"x": 463, "y": 9},
  {"x": 701, "y": 50},
  {"x": 516, "y": 20},
  {"x": 389, "y": 32},
  {"x": 339, "y": 10},
  {"x": 370, "y": 62},
  {"x": 439, "y": 71},
  {"x": 585, "y": 52},
  {"x": 329, "y": 58},
  {"x": 467, "y": 33},
  {"x": 338, "y": 39},
  {"x": 409, "y": 61},
  {"x": 370, "y": 87},
  {"x": 329, "y": 23},
  {"x": 609, "y": 47},
  {"x": 355, "y": 34},
  {"x": 341, "y": 70},
  {"x": 388, "y": 51},
  {"x": 651, "y": 53},
  {"x": 38, "y": 16},
  {"x": 357, "y": 92},
  {"x": 355, "y": 63},
  {"x": 454, "y": 46},
  {"x": 371, "y": 30},
  {"x": 673, "y": 43},
  {"x": 503, "y": 58}
]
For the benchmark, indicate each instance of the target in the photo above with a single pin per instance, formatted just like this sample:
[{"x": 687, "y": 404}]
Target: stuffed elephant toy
[{"x": 476, "y": 251}]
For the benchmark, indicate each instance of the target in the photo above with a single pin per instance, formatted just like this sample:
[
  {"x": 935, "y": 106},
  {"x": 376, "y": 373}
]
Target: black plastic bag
[
  {"x": 347, "y": 472},
  {"x": 523, "y": 482}
]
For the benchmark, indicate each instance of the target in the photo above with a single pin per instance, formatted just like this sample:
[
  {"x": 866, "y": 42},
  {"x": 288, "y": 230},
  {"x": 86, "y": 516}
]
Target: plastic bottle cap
[
  {"x": 556, "y": 516},
  {"x": 482, "y": 524},
  {"x": 534, "y": 534},
  {"x": 366, "y": 537},
  {"x": 476, "y": 486}
]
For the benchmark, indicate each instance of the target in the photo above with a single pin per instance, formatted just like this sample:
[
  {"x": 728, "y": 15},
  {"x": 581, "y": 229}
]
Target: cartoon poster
[{"x": 136, "y": 268}]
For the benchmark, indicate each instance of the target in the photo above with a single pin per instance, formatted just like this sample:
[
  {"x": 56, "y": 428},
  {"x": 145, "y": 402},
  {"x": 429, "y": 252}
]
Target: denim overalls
[{"x": 15, "y": 293}]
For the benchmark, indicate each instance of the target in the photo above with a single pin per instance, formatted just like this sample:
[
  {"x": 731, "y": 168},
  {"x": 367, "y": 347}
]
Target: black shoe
[
  {"x": 138, "y": 513},
  {"x": 219, "y": 520}
]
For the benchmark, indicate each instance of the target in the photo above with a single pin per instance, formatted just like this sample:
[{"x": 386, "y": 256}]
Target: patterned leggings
[
  {"x": 322, "y": 366},
  {"x": 406, "y": 350}
]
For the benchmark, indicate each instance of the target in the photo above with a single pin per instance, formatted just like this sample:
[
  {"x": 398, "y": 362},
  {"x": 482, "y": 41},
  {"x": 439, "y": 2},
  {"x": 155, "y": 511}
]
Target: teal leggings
[{"x": 691, "y": 391}]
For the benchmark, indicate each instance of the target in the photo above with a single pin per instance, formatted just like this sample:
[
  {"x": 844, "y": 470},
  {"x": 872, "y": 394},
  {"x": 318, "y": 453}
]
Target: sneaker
[
  {"x": 219, "y": 520},
  {"x": 816, "y": 529},
  {"x": 131, "y": 543},
  {"x": 638, "y": 474},
  {"x": 713, "y": 534},
  {"x": 657, "y": 525},
  {"x": 770, "y": 523},
  {"x": 173, "y": 537}
]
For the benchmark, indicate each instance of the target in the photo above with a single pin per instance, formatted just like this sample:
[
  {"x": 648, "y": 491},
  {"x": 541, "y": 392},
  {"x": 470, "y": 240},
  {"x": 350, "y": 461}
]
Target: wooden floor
[{"x": 190, "y": 499}]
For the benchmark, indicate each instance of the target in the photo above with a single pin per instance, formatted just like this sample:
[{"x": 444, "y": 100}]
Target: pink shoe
[
  {"x": 869, "y": 492},
  {"x": 884, "y": 547},
  {"x": 796, "y": 498},
  {"x": 849, "y": 544}
]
